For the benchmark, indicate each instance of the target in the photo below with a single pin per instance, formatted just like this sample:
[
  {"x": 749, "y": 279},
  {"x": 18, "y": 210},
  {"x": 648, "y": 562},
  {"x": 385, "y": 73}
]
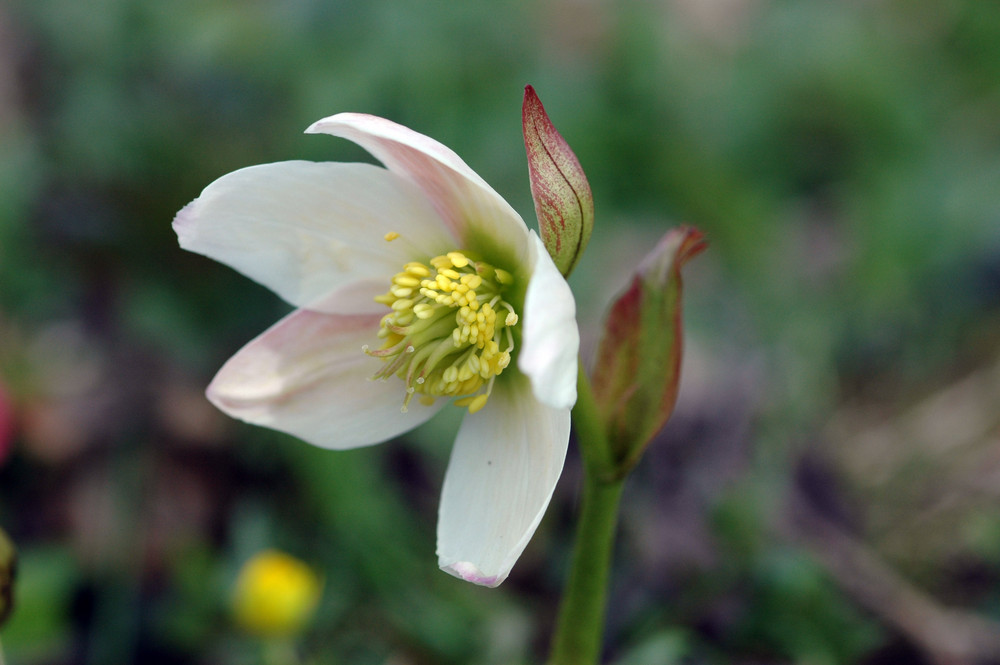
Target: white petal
[
  {"x": 501, "y": 475},
  {"x": 550, "y": 339},
  {"x": 307, "y": 229},
  {"x": 308, "y": 376},
  {"x": 470, "y": 207}
]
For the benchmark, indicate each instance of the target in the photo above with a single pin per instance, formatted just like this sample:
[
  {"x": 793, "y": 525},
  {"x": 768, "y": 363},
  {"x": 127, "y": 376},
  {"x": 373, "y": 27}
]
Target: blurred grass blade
[{"x": 8, "y": 569}]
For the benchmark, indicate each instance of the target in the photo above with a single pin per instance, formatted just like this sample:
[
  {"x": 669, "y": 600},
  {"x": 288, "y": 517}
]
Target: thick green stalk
[{"x": 580, "y": 624}]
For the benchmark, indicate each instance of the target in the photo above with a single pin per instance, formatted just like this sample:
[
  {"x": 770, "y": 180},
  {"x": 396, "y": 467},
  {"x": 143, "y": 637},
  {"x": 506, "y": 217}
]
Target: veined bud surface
[
  {"x": 638, "y": 368},
  {"x": 563, "y": 200}
]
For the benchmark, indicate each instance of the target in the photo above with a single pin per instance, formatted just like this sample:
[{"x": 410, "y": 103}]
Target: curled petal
[
  {"x": 551, "y": 339},
  {"x": 473, "y": 211},
  {"x": 305, "y": 229},
  {"x": 308, "y": 376},
  {"x": 501, "y": 475}
]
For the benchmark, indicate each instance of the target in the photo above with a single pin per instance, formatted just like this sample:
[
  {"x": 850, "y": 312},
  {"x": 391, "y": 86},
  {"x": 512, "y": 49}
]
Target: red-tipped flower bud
[
  {"x": 639, "y": 360},
  {"x": 563, "y": 201}
]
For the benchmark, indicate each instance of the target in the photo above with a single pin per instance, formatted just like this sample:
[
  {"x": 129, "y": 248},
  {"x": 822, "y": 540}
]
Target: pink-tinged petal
[
  {"x": 308, "y": 376},
  {"x": 550, "y": 339},
  {"x": 470, "y": 207},
  {"x": 501, "y": 475},
  {"x": 307, "y": 229}
]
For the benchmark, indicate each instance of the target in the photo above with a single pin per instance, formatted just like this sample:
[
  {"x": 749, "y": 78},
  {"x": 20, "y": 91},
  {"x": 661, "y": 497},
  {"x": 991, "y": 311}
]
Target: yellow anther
[
  {"x": 478, "y": 403},
  {"x": 403, "y": 279},
  {"x": 423, "y": 310},
  {"x": 402, "y": 304},
  {"x": 390, "y": 236},
  {"x": 417, "y": 269},
  {"x": 441, "y": 262},
  {"x": 458, "y": 259},
  {"x": 442, "y": 334}
]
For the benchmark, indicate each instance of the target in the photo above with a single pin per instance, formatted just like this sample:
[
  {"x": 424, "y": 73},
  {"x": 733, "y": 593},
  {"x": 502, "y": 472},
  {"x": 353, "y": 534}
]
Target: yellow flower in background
[{"x": 275, "y": 595}]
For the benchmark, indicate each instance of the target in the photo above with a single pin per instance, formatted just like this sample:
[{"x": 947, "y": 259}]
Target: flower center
[{"x": 449, "y": 331}]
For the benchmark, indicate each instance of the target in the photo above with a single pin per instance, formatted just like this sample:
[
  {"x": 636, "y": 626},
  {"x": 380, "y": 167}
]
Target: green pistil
[{"x": 443, "y": 334}]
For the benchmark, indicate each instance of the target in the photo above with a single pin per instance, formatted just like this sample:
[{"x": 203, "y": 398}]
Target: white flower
[{"x": 413, "y": 284}]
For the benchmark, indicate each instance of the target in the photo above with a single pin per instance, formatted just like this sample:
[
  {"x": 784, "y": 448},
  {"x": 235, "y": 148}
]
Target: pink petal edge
[
  {"x": 468, "y": 572},
  {"x": 308, "y": 376}
]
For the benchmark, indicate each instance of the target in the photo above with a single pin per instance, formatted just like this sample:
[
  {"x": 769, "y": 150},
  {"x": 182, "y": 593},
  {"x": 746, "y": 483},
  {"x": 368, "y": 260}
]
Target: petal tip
[
  {"x": 319, "y": 127},
  {"x": 183, "y": 224},
  {"x": 218, "y": 397},
  {"x": 468, "y": 571},
  {"x": 316, "y": 127},
  {"x": 324, "y": 125}
]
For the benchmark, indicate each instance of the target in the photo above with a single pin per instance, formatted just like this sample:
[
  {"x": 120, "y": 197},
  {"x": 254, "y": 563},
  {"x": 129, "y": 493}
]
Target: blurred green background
[{"x": 828, "y": 491}]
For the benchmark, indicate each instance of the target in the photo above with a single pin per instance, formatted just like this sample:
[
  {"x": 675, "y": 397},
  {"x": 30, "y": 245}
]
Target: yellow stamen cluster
[{"x": 444, "y": 334}]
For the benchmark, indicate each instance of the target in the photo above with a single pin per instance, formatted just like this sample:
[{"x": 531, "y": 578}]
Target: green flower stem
[
  {"x": 590, "y": 431},
  {"x": 580, "y": 625}
]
